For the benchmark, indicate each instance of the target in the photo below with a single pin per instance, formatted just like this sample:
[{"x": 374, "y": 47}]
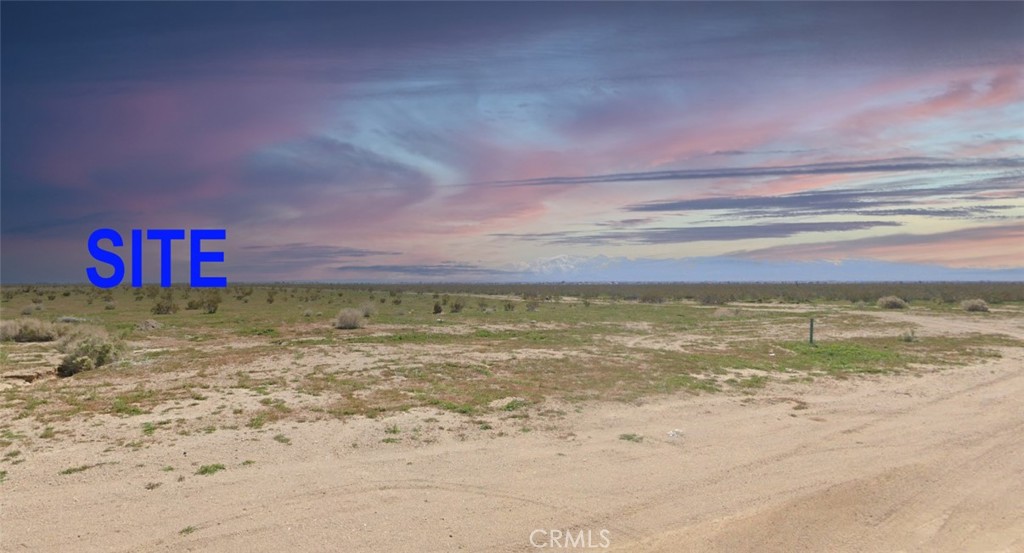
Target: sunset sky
[{"x": 509, "y": 142}]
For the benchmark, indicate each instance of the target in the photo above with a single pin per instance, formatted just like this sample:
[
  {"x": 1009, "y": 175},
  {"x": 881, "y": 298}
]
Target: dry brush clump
[
  {"x": 149, "y": 324},
  {"x": 975, "y": 305},
  {"x": 165, "y": 305},
  {"x": 349, "y": 318},
  {"x": 210, "y": 300},
  {"x": 891, "y": 302},
  {"x": 29, "y": 330},
  {"x": 87, "y": 348}
]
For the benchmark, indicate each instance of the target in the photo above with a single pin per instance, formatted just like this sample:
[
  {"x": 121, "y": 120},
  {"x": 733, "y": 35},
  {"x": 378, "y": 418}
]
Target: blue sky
[{"x": 492, "y": 141}]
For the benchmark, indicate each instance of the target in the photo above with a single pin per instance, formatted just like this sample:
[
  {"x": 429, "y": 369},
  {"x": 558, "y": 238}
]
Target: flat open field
[{"x": 630, "y": 419}]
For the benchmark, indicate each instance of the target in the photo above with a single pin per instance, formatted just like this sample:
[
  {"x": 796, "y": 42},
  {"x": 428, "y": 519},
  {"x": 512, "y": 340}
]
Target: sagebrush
[
  {"x": 85, "y": 349},
  {"x": 891, "y": 302},
  {"x": 975, "y": 305},
  {"x": 349, "y": 318},
  {"x": 29, "y": 330}
]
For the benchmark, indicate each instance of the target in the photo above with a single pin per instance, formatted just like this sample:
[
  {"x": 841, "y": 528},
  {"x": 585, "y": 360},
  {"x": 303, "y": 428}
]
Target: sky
[{"x": 518, "y": 142}]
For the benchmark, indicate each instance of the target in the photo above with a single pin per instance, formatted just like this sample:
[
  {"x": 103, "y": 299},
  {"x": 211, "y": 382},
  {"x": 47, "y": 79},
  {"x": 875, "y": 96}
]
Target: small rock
[{"x": 149, "y": 324}]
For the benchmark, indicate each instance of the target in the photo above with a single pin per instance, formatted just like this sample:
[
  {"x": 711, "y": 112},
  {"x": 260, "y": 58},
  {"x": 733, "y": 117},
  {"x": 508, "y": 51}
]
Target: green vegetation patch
[
  {"x": 207, "y": 470},
  {"x": 257, "y": 331},
  {"x": 844, "y": 357},
  {"x": 407, "y": 338},
  {"x": 81, "y": 468}
]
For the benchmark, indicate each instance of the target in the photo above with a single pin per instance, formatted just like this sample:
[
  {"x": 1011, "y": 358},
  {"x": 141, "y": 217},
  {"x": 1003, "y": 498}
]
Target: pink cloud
[
  {"x": 979, "y": 247},
  {"x": 997, "y": 147},
  {"x": 970, "y": 93},
  {"x": 827, "y": 120},
  {"x": 1005, "y": 88}
]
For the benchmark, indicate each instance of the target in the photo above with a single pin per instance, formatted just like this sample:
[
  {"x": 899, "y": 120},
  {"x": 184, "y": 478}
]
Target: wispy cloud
[
  {"x": 325, "y": 162},
  {"x": 894, "y": 165},
  {"x": 432, "y": 271},
  {"x": 306, "y": 253},
  {"x": 681, "y": 235},
  {"x": 989, "y": 246},
  {"x": 881, "y": 199}
]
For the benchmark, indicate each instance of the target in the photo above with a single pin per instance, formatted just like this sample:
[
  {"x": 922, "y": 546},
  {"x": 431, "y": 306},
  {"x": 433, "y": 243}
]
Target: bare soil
[{"x": 932, "y": 461}]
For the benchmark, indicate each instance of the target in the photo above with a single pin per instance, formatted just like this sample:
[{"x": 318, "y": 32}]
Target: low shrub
[
  {"x": 976, "y": 305},
  {"x": 349, "y": 318},
  {"x": 85, "y": 349},
  {"x": 209, "y": 300},
  {"x": 165, "y": 305},
  {"x": 29, "y": 330},
  {"x": 73, "y": 365},
  {"x": 892, "y": 302},
  {"x": 149, "y": 324},
  {"x": 368, "y": 310}
]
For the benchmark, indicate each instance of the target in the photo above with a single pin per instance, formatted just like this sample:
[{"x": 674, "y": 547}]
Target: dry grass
[
  {"x": 975, "y": 305},
  {"x": 892, "y": 302},
  {"x": 349, "y": 319},
  {"x": 29, "y": 330}
]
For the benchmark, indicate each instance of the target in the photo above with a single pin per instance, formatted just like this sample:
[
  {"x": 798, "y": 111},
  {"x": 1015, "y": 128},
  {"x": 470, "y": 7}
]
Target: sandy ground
[{"x": 886, "y": 463}]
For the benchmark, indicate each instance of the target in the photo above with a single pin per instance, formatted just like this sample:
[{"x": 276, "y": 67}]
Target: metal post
[{"x": 812, "y": 332}]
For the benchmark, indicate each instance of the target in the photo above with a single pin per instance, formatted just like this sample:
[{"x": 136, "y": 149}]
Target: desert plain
[{"x": 513, "y": 418}]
